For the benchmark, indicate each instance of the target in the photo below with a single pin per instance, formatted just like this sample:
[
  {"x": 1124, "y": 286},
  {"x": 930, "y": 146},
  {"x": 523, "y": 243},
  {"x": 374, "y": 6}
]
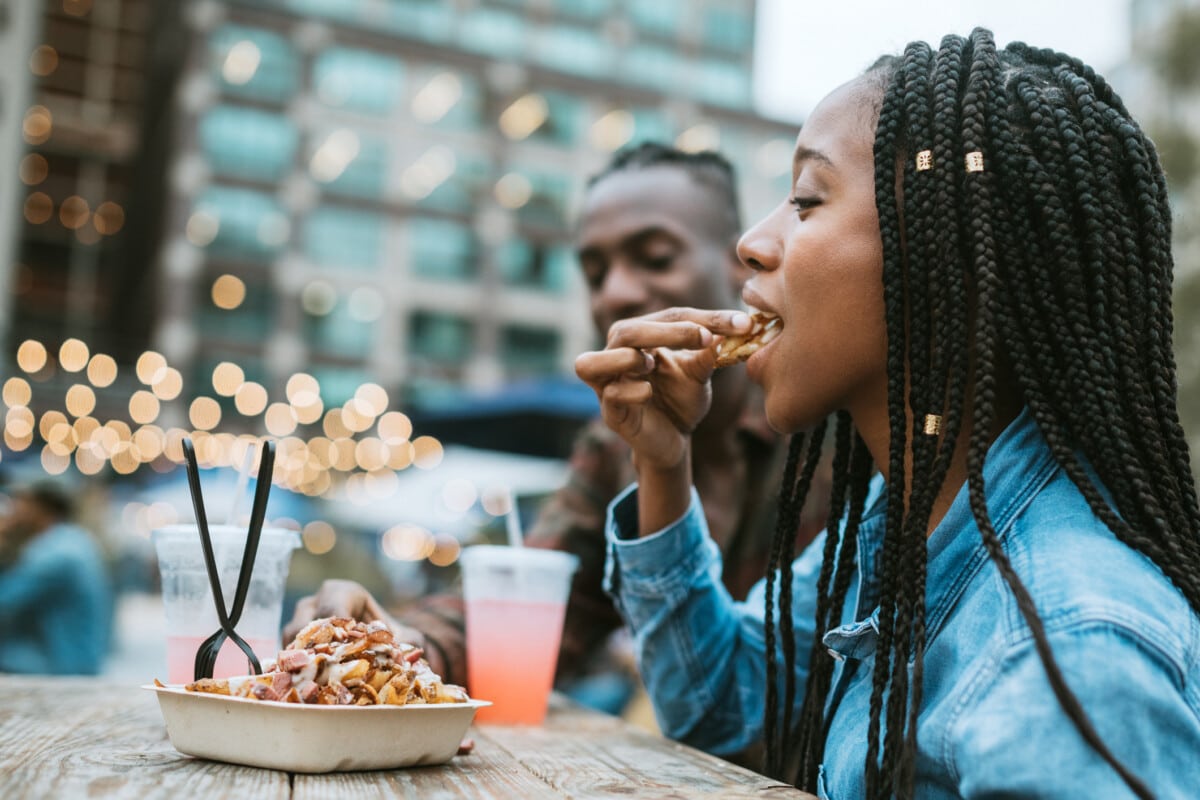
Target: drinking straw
[
  {"x": 512, "y": 522},
  {"x": 239, "y": 492}
]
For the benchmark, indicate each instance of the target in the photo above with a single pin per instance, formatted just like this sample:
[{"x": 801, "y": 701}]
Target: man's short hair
[
  {"x": 707, "y": 167},
  {"x": 50, "y": 496}
]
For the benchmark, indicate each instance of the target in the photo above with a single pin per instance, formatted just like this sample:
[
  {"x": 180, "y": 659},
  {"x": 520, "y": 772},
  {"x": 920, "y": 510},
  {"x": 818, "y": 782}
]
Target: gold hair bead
[
  {"x": 933, "y": 424},
  {"x": 924, "y": 160},
  {"x": 975, "y": 161}
]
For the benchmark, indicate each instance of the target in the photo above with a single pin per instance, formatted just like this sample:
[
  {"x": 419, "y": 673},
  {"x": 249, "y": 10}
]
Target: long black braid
[{"x": 1049, "y": 269}]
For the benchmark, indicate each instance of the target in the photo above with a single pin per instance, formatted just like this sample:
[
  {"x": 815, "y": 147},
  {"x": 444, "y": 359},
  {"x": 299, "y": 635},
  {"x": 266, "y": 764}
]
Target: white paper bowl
[{"x": 312, "y": 738}]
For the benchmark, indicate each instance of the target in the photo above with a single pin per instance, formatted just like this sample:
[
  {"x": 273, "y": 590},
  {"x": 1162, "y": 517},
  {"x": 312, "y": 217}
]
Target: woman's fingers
[
  {"x": 601, "y": 366},
  {"x": 722, "y": 321}
]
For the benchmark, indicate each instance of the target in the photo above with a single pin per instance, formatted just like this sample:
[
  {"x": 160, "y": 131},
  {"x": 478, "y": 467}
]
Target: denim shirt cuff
[{"x": 651, "y": 564}]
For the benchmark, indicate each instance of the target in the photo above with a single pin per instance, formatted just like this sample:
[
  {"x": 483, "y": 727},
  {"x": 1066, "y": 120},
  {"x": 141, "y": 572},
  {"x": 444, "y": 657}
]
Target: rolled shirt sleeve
[{"x": 701, "y": 654}]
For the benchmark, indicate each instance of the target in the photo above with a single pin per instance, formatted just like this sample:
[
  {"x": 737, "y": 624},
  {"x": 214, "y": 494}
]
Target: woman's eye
[{"x": 803, "y": 204}]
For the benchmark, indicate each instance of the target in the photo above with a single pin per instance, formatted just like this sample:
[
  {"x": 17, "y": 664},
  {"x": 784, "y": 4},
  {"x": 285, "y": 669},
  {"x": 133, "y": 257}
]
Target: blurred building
[{"x": 382, "y": 189}]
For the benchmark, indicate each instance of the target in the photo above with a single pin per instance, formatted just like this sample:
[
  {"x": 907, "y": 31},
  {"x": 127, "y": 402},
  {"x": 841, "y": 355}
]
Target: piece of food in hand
[
  {"x": 340, "y": 661},
  {"x": 736, "y": 349}
]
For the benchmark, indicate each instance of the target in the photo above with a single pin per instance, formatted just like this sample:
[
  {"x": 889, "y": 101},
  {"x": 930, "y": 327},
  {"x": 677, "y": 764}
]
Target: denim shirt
[
  {"x": 55, "y": 606},
  {"x": 1126, "y": 640}
]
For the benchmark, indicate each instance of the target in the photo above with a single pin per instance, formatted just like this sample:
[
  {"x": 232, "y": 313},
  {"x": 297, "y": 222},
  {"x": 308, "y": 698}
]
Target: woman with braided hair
[{"x": 973, "y": 276}]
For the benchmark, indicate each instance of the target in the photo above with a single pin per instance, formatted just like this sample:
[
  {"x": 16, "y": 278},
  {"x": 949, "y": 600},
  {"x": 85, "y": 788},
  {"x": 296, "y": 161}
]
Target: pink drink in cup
[
  {"x": 188, "y": 601},
  {"x": 516, "y": 599}
]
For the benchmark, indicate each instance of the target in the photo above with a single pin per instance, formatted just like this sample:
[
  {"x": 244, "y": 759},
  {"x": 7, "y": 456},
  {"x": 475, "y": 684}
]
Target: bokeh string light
[{"x": 356, "y": 449}]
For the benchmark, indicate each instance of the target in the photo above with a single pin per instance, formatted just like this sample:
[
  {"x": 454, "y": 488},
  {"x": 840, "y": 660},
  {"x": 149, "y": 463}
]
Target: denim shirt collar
[{"x": 1017, "y": 466}]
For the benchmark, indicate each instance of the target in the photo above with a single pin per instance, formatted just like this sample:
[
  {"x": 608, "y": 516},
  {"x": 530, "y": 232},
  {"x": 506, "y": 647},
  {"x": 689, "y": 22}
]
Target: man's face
[{"x": 654, "y": 238}]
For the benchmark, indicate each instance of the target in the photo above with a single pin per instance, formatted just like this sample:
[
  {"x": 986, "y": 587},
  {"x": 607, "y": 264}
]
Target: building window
[
  {"x": 251, "y": 322},
  {"x": 442, "y": 339},
  {"x": 349, "y": 162},
  {"x": 358, "y": 80},
  {"x": 441, "y": 249},
  {"x": 338, "y": 332},
  {"x": 728, "y": 30},
  {"x": 254, "y": 63},
  {"x": 239, "y": 223},
  {"x": 565, "y": 119},
  {"x": 584, "y": 9},
  {"x": 534, "y": 265},
  {"x": 343, "y": 239},
  {"x": 723, "y": 83},
  {"x": 248, "y": 143},
  {"x": 493, "y": 32},
  {"x": 652, "y": 66},
  {"x": 660, "y": 17},
  {"x": 530, "y": 351},
  {"x": 575, "y": 50},
  {"x": 549, "y": 198},
  {"x": 338, "y": 384},
  {"x": 423, "y": 19}
]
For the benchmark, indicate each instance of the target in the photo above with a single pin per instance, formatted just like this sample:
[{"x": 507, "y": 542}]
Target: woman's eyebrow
[{"x": 809, "y": 154}]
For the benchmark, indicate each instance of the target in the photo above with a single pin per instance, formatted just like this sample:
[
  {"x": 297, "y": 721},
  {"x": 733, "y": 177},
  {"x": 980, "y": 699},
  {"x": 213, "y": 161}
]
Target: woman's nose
[{"x": 759, "y": 248}]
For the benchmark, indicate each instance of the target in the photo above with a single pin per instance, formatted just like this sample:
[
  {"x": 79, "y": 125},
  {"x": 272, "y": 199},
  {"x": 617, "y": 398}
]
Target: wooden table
[{"x": 78, "y": 737}]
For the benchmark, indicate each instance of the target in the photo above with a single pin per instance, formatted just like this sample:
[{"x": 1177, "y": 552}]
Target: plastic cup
[
  {"x": 516, "y": 598},
  {"x": 188, "y": 601}
]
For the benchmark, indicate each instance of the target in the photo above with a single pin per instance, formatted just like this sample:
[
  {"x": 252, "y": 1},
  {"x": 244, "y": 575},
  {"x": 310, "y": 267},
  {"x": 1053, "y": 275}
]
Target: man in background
[
  {"x": 658, "y": 228},
  {"x": 55, "y": 598}
]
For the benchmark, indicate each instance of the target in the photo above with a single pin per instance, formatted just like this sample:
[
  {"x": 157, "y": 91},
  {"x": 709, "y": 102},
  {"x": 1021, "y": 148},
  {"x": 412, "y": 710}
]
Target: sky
[{"x": 806, "y": 48}]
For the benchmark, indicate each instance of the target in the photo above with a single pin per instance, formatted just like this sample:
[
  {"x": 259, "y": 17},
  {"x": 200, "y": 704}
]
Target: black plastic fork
[{"x": 206, "y": 654}]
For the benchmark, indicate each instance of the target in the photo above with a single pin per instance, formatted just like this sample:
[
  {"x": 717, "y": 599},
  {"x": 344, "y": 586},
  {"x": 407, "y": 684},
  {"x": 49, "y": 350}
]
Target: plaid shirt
[{"x": 573, "y": 520}]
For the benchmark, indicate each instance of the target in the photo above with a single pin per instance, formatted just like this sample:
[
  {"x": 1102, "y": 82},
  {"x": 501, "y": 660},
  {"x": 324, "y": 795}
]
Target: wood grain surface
[{"x": 79, "y": 737}]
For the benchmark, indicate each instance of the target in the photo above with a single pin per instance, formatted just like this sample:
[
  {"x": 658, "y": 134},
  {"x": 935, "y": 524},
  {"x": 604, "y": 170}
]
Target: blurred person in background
[
  {"x": 55, "y": 598},
  {"x": 658, "y": 228}
]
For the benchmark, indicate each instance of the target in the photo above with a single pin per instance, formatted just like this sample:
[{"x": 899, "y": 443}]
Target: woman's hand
[
  {"x": 339, "y": 598},
  {"x": 652, "y": 379}
]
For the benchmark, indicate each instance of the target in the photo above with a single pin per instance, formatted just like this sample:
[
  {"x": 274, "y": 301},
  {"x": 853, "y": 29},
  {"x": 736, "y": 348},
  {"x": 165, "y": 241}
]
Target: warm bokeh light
[
  {"x": 39, "y": 208},
  {"x": 333, "y": 425},
  {"x": 381, "y": 483},
  {"x": 228, "y": 292},
  {"x": 54, "y": 463},
  {"x": 125, "y": 461},
  {"x": 241, "y": 63},
  {"x": 446, "y": 550},
  {"x": 299, "y": 388},
  {"x": 372, "y": 400},
  {"x": 524, "y": 116},
  {"x": 101, "y": 370},
  {"x": 169, "y": 385},
  {"x": 73, "y": 355},
  {"x": 227, "y": 378},
  {"x": 612, "y": 131},
  {"x": 428, "y": 172},
  {"x": 437, "y": 97},
  {"x": 150, "y": 440},
  {"x": 204, "y": 413},
  {"x": 151, "y": 367},
  {"x": 74, "y": 212},
  {"x": 17, "y": 443},
  {"x": 333, "y": 155},
  {"x": 143, "y": 407},
  {"x": 459, "y": 494},
  {"x": 37, "y": 125},
  {"x": 702, "y": 136},
  {"x": 81, "y": 400},
  {"x": 49, "y": 422},
  {"x": 19, "y": 422},
  {"x": 109, "y": 218},
  {"x": 407, "y": 543},
  {"x": 280, "y": 419},
  {"x": 84, "y": 428},
  {"x": 319, "y": 537},
  {"x": 394, "y": 427},
  {"x": 250, "y": 398},
  {"x": 400, "y": 455},
  {"x": 173, "y": 445},
  {"x": 31, "y": 356},
  {"x": 43, "y": 61},
  {"x": 34, "y": 169},
  {"x": 496, "y": 500},
  {"x": 370, "y": 453},
  {"x": 427, "y": 452},
  {"x": 513, "y": 190},
  {"x": 344, "y": 455},
  {"x": 87, "y": 460},
  {"x": 202, "y": 228},
  {"x": 356, "y": 415},
  {"x": 17, "y": 392}
]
